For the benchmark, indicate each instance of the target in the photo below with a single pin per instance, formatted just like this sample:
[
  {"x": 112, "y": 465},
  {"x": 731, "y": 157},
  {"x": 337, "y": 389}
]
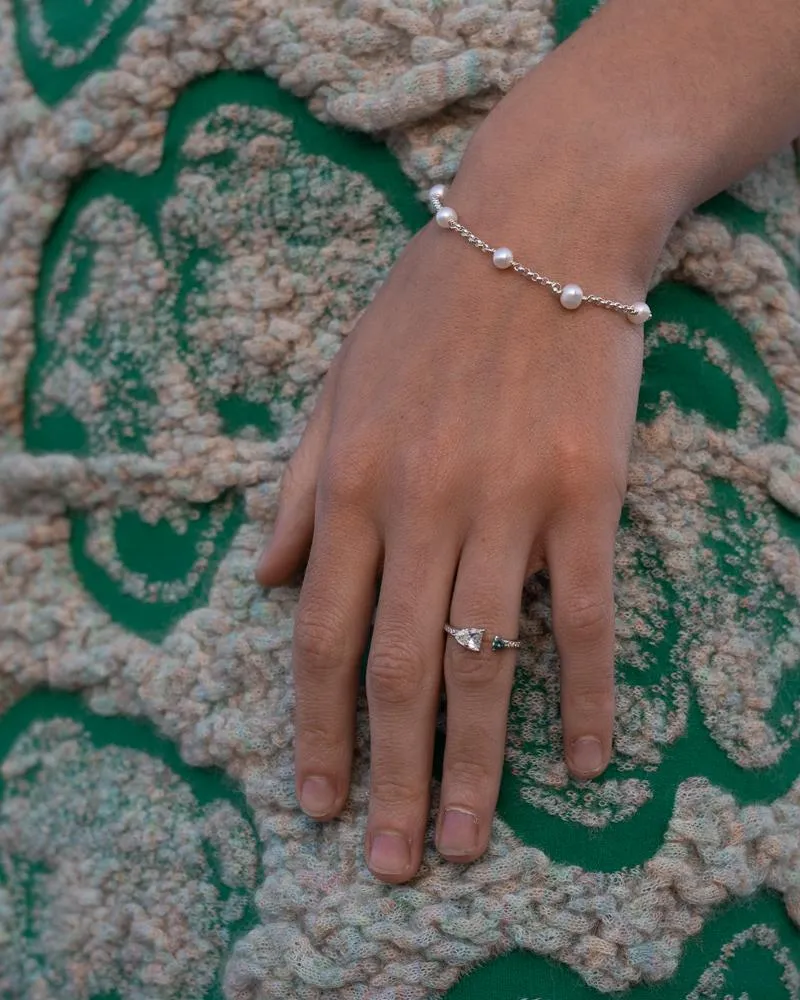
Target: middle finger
[
  {"x": 403, "y": 685},
  {"x": 488, "y": 593}
]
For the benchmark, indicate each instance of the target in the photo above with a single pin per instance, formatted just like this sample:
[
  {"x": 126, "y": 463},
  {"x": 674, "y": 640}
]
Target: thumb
[{"x": 287, "y": 550}]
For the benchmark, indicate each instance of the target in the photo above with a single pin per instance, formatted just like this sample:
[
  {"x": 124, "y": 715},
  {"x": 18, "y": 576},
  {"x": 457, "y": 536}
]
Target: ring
[{"x": 472, "y": 638}]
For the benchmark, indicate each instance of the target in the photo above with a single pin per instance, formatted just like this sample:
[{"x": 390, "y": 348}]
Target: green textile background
[{"x": 161, "y": 554}]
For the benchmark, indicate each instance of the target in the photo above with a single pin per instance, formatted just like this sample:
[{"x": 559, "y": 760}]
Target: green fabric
[
  {"x": 155, "y": 551},
  {"x": 571, "y": 824}
]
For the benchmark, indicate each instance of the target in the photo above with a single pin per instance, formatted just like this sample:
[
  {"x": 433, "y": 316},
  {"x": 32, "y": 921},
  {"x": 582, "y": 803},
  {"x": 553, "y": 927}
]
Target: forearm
[{"x": 650, "y": 108}]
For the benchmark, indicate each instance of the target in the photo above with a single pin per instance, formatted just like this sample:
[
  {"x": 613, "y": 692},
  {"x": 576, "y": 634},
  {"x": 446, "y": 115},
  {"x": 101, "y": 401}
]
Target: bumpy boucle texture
[
  {"x": 164, "y": 326},
  {"x": 106, "y": 859}
]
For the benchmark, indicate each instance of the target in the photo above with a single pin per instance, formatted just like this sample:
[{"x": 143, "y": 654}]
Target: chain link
[
  {"x": 555, "y": 287},
  {"x": 612, "y": 304},
  {"x": 471, "y": 238}
]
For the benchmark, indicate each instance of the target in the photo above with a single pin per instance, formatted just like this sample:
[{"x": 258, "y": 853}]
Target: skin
[{"x": 471, "y": 431}]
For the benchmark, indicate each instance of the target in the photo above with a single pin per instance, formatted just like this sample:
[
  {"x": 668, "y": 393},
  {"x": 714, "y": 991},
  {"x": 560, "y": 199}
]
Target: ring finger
[{"x": 487, "y": 593}]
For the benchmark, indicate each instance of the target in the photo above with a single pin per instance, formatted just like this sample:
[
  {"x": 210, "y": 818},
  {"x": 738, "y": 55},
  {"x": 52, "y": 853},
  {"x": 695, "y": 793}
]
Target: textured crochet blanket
[{"x": 192, "y": 216}]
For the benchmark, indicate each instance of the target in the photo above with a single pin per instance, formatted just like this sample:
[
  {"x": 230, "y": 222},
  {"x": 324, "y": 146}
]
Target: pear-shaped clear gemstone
[{"x": 470, "y": 638}]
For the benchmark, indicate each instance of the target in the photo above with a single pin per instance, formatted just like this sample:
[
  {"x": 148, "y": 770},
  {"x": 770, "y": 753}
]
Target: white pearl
[
  {"x": 437, "y": 192},
  {"x": 502, "y": 258},
  {"x": 571, "y": 296},
  {"x": 642, "y": 314},
  {"x": 445, "y": 216}
]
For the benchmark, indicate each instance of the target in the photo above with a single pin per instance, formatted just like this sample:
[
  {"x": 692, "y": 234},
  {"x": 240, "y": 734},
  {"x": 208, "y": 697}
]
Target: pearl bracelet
[{"x": 570, "y": 296}]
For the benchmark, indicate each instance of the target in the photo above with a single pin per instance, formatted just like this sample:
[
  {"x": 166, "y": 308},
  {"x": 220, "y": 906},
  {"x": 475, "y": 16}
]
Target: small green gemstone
[{"x": 497, "y": 643}]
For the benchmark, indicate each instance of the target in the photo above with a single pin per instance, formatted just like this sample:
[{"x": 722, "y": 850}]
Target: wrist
[{"x": 575, "y": 211}]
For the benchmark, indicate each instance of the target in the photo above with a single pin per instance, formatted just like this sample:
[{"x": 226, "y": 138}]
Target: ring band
[{"x": 472, "y": 638}]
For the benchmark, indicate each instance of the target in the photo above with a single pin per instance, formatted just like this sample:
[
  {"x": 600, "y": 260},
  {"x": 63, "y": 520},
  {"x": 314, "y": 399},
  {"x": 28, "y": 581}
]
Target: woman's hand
[{"x": 470, "y": 432}]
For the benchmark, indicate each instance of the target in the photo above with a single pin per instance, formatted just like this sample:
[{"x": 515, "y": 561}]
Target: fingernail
[
  {"x": 586, "y": 755},
  {"x": 390, "y": 854},
  {"x": 317, "y": 796},
  {"x": 459, "y": 833}
]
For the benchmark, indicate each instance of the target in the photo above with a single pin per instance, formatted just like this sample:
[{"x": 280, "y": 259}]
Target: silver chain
[{"x": 633, "y": 311}]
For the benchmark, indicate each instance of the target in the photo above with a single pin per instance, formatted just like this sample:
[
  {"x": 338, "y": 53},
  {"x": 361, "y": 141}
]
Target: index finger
[{"x": 330, "y": 635}]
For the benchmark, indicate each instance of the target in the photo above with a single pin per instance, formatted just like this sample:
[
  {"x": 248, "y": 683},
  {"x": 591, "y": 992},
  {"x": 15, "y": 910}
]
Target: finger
[
  {"x": 403, "y": 685},
  {"x": 580, "y": 558},
  {"x": 487, "y": 593},
  {"x": 331, "y": 628},
  {"x": 291, "y": 539}
]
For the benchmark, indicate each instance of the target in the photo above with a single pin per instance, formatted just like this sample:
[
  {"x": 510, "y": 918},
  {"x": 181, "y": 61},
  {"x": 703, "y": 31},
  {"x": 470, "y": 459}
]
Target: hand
[{"x": 469, "y": 433}]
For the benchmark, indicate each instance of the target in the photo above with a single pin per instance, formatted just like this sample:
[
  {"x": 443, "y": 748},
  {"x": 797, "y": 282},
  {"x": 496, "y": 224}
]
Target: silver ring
[{"x": 472, "y": 638}]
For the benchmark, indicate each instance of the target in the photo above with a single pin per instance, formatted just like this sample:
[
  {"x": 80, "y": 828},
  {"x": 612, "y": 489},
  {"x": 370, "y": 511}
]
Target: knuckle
[
  {"x": 317, "y": 741},
  {"x": 469, "y": 669},
  {"x": 318, "y": 642},
  {"x": 389, "y": 790},
  {"x": 575, "y": 450},
  {"x": 581, "y": 467},
  {"x": 394, "y": 672},
  {"x": 346, "y": 476},
  {"x": 590, "y": 702},
  {"x": 465, "y": 774},
  {"x": 588, "y": 618}
]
